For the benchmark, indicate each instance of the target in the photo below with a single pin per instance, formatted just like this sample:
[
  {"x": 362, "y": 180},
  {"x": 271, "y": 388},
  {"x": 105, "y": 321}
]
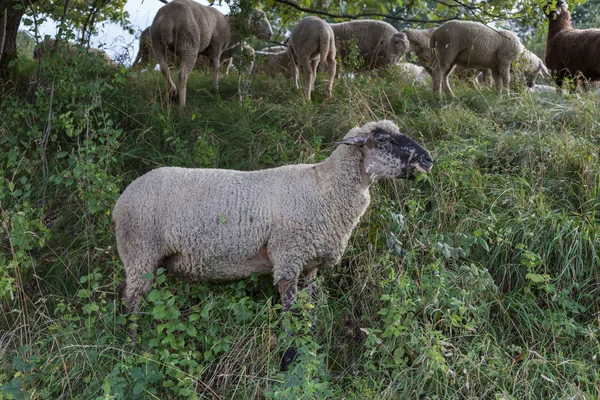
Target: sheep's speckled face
[
  {"x": 260, "y": 25},
  {"x": 391, "y": 155}
]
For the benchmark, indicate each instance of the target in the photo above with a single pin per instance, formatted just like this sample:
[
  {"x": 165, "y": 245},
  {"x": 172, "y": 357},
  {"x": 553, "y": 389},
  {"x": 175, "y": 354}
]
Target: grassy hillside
[{"x": 480, "y": 281}]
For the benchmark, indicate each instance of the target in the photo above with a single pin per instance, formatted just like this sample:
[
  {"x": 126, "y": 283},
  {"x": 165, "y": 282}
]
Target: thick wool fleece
[
  {"x": 184, "y": 29},
  {"x": 312, "y": 41},
  {"x": 379, "y": 43}
]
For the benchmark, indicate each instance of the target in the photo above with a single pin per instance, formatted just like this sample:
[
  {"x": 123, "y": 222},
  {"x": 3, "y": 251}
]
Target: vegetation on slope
[{"x": 480, "y": 281}]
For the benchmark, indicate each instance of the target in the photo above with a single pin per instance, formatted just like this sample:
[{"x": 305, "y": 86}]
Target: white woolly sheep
[
  {"x": 312, "y": 41},
  {"x": 420, "y": 43},
  {"x": 571, "y": 52},
  {"x": 379, "y": 43},
  {"x": 410, "y": 71},
  {"x": 184, "y": 29},
  {"x": 530, "y": 66},
  {"x": 223, "y": 225},
  {"x": 273, "y": 63},
  {"x": 63, "y": 48},
  {"x": 245, "y": 52},
  {"x": 144, "y": 58},
  {"x": 472, "y": 45},
  {"x": 274, "y": 49}
]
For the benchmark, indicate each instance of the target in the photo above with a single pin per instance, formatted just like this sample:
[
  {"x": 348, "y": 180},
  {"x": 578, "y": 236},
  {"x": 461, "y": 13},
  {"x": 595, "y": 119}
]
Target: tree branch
[
  {"x": 298, "y": 7},
  {"x": 3, "y": 19}
]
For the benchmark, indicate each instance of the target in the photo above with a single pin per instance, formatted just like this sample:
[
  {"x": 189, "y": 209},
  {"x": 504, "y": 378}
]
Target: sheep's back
[
  {"x": 184, "y": 26},
  {"x": 576, "y": 50},
  {"x": 475, "y": 45},
  {"x": 216, "y": 214},
  {"x": 371, "y": 38}
]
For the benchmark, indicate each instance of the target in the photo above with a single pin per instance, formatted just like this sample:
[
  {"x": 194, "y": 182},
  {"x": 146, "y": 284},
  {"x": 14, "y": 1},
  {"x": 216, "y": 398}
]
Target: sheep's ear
[{"x": 358, "y": 140}]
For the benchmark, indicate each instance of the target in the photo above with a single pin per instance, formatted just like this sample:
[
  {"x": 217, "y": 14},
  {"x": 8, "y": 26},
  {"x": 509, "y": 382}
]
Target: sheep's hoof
[
  {"x": 327, "y": 94},
  {"x": 288, "y": 358}
]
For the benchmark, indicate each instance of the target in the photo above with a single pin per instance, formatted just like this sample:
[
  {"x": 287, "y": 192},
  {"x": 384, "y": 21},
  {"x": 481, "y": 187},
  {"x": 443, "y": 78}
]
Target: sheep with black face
[{"x": 222, "y": 225}]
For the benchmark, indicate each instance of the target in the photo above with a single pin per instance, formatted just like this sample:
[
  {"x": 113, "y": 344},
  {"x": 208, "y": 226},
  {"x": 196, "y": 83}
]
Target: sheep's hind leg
[
  {"x": 307, "y": 68},
  {"x": 187, "y": 63},
  {"x": 171, "y": 88},
  {"x": 288, "y": 289},
  {"x": 331, "y": 68}
]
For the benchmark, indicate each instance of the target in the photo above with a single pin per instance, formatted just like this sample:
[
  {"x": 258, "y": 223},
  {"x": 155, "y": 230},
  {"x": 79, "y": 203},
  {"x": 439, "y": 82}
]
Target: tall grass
[{"x": 480, "y": 281}]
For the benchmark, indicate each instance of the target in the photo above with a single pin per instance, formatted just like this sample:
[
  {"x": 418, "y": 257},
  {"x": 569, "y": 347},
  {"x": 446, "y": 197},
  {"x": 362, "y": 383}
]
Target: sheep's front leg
[
  {"x": 216, "y": 64},
  {"x": 288, "y": 289},
  {"x": 310, "y": 282}
]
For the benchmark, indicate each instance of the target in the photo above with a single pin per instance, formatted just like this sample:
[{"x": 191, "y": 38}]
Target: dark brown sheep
[{"x": 571, "y": 52}]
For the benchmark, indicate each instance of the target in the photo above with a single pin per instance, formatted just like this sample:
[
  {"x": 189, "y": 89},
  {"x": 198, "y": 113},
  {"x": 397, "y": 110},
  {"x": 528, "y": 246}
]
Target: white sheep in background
[
  {"x": 530, "y": 66},
  {"x": 411, "y": 72},
  {"x": 222, "y": 225},
  {"x": 184, "y": 29},
  {"x": 379, "y": 43},
  {"x": 273, "y": 63},
  {"x": 243, "y": 50},
  {"x": 472, "y": 45},
  {"x": 64, "y": 49},
  {"x": 274, "y": 49},
  {"x": 145, "y": 59},
  {"x": 312, "y": 41},
  {"x": 420, "y": 43}
]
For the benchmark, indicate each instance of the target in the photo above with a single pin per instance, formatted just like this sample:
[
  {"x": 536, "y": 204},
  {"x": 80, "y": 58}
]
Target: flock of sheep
[
  {"x": 473, "y": 51},
  {"x": 213, "y": 224}
]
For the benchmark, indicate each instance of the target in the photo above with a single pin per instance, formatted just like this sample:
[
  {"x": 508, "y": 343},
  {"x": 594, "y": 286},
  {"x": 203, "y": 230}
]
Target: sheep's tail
[{"x": 166, "y": 28}]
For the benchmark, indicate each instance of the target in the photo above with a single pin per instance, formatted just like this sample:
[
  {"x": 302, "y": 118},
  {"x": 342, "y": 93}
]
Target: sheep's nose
[{"x": 427, "y": 161}]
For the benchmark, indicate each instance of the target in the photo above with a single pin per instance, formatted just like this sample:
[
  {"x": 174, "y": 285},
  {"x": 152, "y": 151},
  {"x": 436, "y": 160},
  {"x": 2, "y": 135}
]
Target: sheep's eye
[{"x": 380, "y": 138}]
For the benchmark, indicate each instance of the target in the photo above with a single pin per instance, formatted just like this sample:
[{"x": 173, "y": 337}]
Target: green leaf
[{"x": 148, "y": 276}]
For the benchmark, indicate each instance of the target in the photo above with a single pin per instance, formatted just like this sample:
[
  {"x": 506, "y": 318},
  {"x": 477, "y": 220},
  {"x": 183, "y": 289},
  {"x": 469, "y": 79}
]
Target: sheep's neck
[
  {"x": 561, "y": 23},
  {"x": 236, "y": 37},
  {"x": 343, "y": 172}
]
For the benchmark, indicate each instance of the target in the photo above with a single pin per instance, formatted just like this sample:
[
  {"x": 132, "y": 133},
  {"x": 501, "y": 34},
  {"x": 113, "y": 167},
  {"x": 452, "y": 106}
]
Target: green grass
[{"x": 480, "y": 281}]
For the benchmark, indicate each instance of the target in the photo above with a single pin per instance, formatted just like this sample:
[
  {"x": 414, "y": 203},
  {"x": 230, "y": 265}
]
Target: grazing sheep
[
  {"x": 544, "y": 89},
  {"x": 274, "y": 49},
  {"x": 184, "y": 29},
  {"x": 379, "y": 43},
  {"x": 473, "y": 76},
  {"x": 571, "y": 52},
  {"x": 64, "y": 49},
  {"x": 247, "y": 56},
  {"x": 144, "y": 58},
  {"x": 410, "y": 71},
  {"x": 472, "y": 45},
  {"x": 530, "y": 66},
  {"x": 311, "y": 42},
  {"x": 223, "y": 225},
  {"x": 273, "y": 63},
  {"x": 420, "y": 43}
]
